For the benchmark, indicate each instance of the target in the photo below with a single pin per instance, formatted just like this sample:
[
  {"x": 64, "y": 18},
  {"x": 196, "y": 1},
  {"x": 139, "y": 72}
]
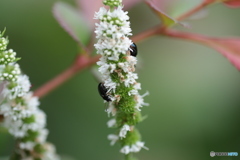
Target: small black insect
[
  {"x": 103, "y": 92},
  {"x": 133, "y": 50}
]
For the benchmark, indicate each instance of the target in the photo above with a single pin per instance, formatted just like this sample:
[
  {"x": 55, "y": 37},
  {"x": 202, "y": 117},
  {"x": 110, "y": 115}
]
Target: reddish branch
[
  {"x": 82, "y": 62},
  {"x": 196, "y": 9}
]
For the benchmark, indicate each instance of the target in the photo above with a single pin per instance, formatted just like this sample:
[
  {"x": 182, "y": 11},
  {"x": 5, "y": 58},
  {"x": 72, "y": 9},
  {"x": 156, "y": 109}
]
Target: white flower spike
[
  {"x": 22, "y": 117},
  {"x": 117, "y": 65}
]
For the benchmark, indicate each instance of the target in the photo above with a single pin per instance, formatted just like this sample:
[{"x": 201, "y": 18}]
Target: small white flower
[
  {"x": 112, "y": 67},
  {"x": 43, "y": 133},
  {"x": 100, "y": 13},
  {"x": 140, "y": 101},
  {"x": 50, "y": 153},
  {"x": 123, "y": 131},
  {"x": 27, "y": 145},
  {"x": 22, "y": 87},
  {"x": 138, "y": 146},
  {"x": 113, "y": 138},
  {"x": 134, "y": 91},
  {"x": 131, "y": 79},
  {"x": 111, "y": 123},
  {"x": 125, "y": 150},
  {"x": 133, "y": 148},
  {"x": 111, "y": 109},
  {"x": 110, "y": 85}
]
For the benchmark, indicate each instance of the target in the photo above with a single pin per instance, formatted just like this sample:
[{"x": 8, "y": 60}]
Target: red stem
[
  {"x": 52, "y": 84},
  {"x": 148, "y": 33},
  {"x": 82, "y": 62},
  {"x": 184, "y": 35},
  {"x": 196, "y": 9}
]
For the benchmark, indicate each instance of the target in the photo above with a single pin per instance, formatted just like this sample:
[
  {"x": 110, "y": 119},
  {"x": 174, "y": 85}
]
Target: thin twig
[
  {"x": 195, "y": 10},
  {"x": 148, "y": 33},
  {"x": 81, "y": 63}
]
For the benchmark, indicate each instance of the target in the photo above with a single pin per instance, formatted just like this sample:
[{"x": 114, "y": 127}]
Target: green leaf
[
  {"x": 73, "y": 22},
  {"x": 169, "y": 11},
  {"x": 228, "y": 47},
  {"x": 176, "y": 8},
  {"x": 166, "y": 20}
]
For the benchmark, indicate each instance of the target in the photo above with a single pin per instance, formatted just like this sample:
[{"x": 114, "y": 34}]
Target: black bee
[
  {"x": 103, "y": 92},
  {"x": 133, "y": 50}
]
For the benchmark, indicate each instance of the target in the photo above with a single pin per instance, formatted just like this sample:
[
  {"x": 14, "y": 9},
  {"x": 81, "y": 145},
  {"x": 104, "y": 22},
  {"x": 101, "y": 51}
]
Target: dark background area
[{"x": 194, "y": 91}]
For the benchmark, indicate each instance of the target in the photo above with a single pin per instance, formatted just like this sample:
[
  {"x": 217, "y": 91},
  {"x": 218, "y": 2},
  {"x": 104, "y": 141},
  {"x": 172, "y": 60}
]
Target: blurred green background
[{"x": 194, "y": 91}]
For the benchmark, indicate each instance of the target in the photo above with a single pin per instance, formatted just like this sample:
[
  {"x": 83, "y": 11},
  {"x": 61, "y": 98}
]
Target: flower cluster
[
  {"x": 112, "y": 3},
  {"x": 22, "y": 117},
  {"x": 117, "y": 67}
]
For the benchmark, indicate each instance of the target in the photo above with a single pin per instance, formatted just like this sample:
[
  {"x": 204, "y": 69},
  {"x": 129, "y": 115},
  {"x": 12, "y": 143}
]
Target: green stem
[
  {"x": 130, "y": 157},
  {"x": 127, "y": 157},
  {"x": 111, "y": 8}
]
